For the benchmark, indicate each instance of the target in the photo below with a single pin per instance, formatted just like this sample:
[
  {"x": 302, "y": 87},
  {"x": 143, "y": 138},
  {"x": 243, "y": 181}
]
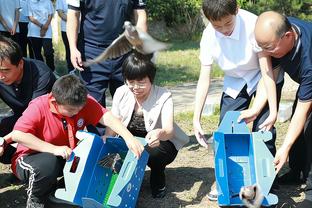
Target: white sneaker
[{"x": 213, "y": 195}]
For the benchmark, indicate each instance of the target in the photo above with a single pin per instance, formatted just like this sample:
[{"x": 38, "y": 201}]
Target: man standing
[
  {"x": 9, "y": 17},
  {"x": 101, "y": 23},
  {"x": 21, "y": 80}
]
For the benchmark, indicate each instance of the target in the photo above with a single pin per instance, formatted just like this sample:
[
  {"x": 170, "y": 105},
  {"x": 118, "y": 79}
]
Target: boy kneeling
[{"x": 45, "y": 133}]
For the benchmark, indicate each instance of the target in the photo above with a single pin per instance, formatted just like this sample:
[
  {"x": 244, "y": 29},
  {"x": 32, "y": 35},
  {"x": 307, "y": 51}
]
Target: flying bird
[
  {"x": 251, "y": 196},
  {"x": 131, "y": 38},
  {"x": 112, "y": 161}
]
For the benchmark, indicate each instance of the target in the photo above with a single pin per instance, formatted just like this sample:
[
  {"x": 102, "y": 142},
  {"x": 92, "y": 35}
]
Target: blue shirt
[
  {"x": 298, "y": 62},
  {"x": 102, "y": 21}
]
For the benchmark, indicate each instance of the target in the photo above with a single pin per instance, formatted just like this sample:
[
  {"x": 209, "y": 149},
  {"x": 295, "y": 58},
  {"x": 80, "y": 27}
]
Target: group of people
[{"x": 254, "y": 52}]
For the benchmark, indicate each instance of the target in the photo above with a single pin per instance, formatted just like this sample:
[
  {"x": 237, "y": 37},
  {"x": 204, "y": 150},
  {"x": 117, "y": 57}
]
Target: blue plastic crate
[
  {"x": 242, "y": 159},
  {"x": 88, "y": 184}
]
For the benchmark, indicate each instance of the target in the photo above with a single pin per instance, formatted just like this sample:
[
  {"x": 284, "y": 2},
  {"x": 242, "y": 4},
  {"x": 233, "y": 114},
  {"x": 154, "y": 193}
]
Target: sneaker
[
  {"x": 159, "y": 193},
  {"x": 290, "y": 178},
  {"x": 305, "y": 204},
  {"x": 213, "y": 195},
  {"x": 33, "y": 204}
]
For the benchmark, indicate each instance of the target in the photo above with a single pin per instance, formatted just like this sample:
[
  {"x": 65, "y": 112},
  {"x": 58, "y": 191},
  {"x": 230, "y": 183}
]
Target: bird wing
[
  {"x": 150, "y": 44},
  {"x": 118, "y": 47}
]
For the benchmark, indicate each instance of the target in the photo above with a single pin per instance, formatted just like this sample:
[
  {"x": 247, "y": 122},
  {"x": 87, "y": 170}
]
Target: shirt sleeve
[
  {"x": 206, "y": 47},
  {"x": 94, "y": 111},
  {"x": 45, "y": 82},
  {"x": 28, "y": 122},
  {"x": 73, "y": 4},
  {"x": 18, "y": 5},
  {"x": 59, "y": 5},
  {"x": 305, "y": 88},
  {"x": 139, "y": 4}
]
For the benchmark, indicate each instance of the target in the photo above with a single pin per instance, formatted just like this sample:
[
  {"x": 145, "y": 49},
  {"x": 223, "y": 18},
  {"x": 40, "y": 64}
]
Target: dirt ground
[{"x": 189, "y": 179}]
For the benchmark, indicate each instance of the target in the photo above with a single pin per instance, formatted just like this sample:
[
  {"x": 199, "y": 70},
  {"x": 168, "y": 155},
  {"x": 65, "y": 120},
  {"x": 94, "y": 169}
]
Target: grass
[{"x": 178, "y": 65}]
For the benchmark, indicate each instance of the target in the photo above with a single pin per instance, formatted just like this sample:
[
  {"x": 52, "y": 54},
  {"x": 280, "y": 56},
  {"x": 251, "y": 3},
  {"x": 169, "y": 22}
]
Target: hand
[
  {"x": 135, "y": 146},
  {"x": 75, "y": 57},
  {"x": 153, "y": 138},
  {"x": 1, "y": 150},
  {"x": 199, "y": 134},
  {"x": 248, "y": 115},
  {"x": 280, "y": 158},
  {"x": 42, "y": 32},
  {"x": 13, "y": 31},
  {"x": 268, "y": 123},
  {"x": 62, "y": 151}
]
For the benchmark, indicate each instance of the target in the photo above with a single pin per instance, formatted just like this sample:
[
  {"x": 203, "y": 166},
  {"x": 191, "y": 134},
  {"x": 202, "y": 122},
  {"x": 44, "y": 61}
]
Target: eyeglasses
[
  {"x": 273, "y": 48},
  {"x": 136, "y": 85}
]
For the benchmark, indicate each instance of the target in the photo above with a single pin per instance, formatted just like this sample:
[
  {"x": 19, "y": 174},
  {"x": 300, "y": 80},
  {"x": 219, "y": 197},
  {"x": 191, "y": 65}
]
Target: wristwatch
[{"x": 2, "y": 142}]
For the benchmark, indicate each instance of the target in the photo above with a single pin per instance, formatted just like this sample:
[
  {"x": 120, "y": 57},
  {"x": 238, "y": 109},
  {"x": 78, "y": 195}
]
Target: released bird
[
  {"x": 131, "y": 38},
  {"x": 251, "y": 196},
  {"x": 112, "y": 161}
]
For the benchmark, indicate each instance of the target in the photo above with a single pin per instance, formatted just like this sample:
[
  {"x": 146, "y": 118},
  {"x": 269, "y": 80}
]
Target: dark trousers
[
  {"x": 23, "y": 40},
  {"x": 242, "y": 102},
  {"x": 70, "y": 67},
  {"x": 40, "y": 171},
  {"x": 6, "y": 126},
  {"x": 100, "y": 77},
  {"x": 46, "y": 44},
  {"x": 159, "y": 158},
  {"x": 300, "y": 154}
]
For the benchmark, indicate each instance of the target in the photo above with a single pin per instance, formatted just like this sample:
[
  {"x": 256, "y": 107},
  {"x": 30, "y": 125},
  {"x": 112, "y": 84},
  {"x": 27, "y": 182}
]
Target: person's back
[{"x": 21, "y": 80}]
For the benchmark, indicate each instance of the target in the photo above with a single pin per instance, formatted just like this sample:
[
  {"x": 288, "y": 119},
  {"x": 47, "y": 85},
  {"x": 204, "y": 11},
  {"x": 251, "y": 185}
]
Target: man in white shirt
[
  {"x": 9, "y": 17},
  {"x": 40, "y": 13},
  {"x": 229, "y": 41}
]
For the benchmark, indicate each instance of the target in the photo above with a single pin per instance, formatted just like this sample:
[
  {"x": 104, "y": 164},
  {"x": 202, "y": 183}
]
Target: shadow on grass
[{"x": 180, "y": 187}]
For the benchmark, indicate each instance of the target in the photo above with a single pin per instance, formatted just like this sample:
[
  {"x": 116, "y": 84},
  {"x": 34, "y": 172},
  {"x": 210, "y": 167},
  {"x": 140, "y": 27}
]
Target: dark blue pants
[
  {"x": 99, "y": 77},
  {"x": 70, "y": 67},
  {"x": 6, "y": 126},
  {"x": 24, "y": 41},
  {"x": 242, "y": 102},
  {"x": 46, "y": 44}
]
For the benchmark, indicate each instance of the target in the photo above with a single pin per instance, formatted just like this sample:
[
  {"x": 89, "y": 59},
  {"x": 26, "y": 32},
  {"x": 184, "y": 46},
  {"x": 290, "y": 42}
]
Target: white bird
[
  {"x": 131, "y": 38},
  {"x": 251, "y": 196}
]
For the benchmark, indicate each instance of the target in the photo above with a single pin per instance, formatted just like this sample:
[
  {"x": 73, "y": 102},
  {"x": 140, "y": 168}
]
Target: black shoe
[
  {"x": 159, "y": 193},
  {"x": 290, "y": 178}
]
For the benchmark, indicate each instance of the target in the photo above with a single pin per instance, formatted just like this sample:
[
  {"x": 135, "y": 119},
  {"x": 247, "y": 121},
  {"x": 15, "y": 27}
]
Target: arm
[
  {"x": 270, "y": 86},
  {"x": 295, "y": 128},
  {"x": 16, "y": 19},
  {"x": 140, "y": 18},
  {"x": 62, "y": 15},
  {"x": 108, "y": 119},
  {"x": 4, "y": 23},
  {"x": 201, "y": 95},
  {"x": 167, "y": 131},
  {"x": 34, "y": 143},
  {"x": 72, "y": 35},
  {"x": 45, "y": 26}
]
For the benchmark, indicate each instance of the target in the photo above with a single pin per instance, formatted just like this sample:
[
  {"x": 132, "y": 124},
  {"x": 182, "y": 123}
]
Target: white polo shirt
[
  {"x": 40, "y": 10},
  {"x": 7, "y": 11},
  {"x": 24, "y": 11},
  {"x": 234, "y": 54}
]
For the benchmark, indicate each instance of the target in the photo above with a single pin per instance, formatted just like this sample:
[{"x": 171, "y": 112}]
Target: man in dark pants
[
  {"x": 288, "y": 41},
  {"x": 101, "y": 23},
  {"x": 21, "y": 80}
]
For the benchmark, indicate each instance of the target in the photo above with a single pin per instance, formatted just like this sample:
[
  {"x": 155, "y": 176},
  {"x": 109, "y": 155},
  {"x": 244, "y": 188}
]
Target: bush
[{"x": 173, "y": 11}]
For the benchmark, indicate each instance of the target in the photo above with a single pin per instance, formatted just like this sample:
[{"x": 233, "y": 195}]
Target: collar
[{"x": 236, "y": 31}]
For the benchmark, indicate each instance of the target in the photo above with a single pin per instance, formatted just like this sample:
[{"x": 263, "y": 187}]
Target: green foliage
[
  {"x": 173, "y": 11},
  {"x": 296, "y": 8}
]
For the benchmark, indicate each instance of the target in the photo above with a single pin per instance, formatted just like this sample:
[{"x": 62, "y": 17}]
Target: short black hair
[
  {"x": 69, "y": 90},
  {"x": 138, "y": 66},
  {"x": 216, "y": 9},
  {"x": 284, "y": 27},
  {"x": 9, "y": 49}
]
